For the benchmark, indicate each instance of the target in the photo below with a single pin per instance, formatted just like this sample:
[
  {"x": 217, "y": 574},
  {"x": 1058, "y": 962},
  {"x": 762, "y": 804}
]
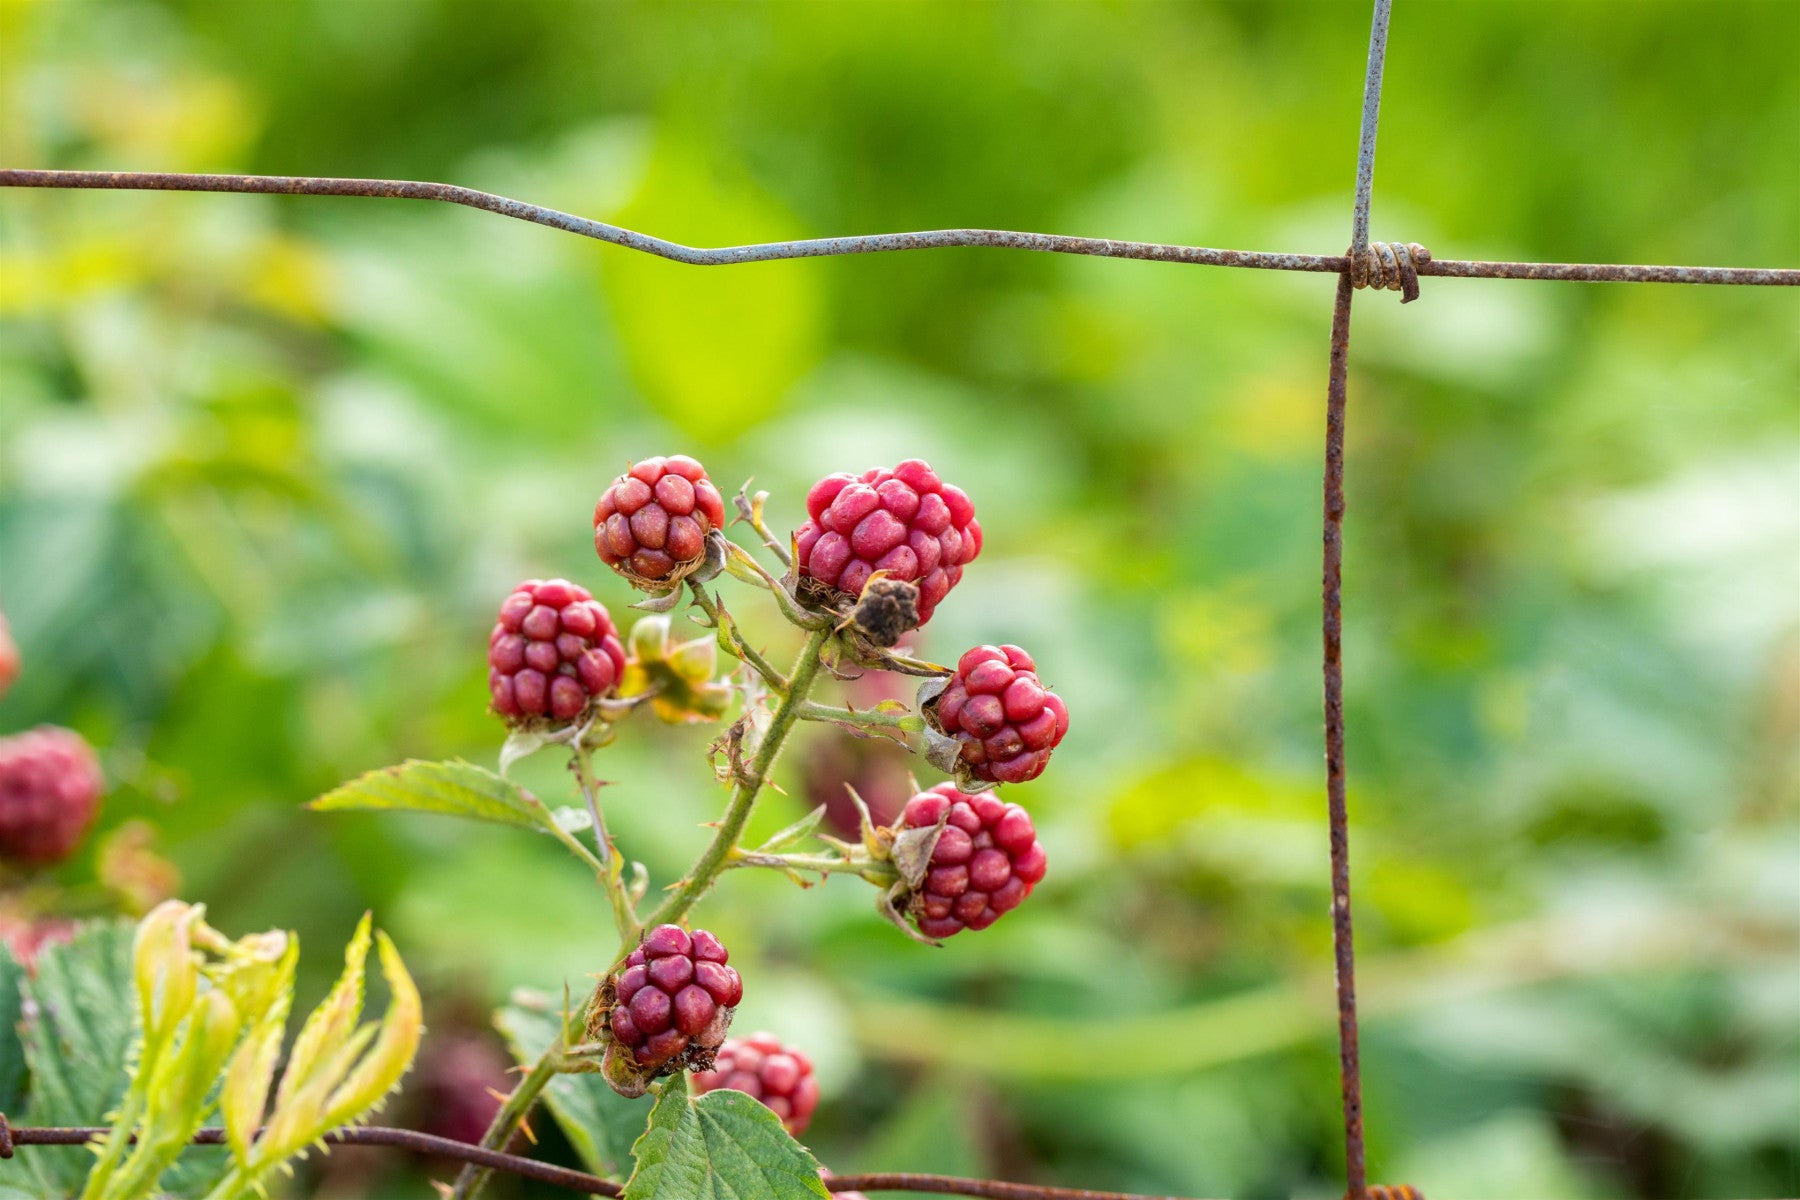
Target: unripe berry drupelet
[
  {"x": 553, "y": 652},
  {"x": 985, "y": 862},
  {"x": 1005, "y": 719},
  {"x": 651, "y": 523},
  {"x": 674, "y": 998},
  {"x": 781, "y": 1077},
  {"x": 906, "y": 521},
  {"x": 50, "y": 786}
]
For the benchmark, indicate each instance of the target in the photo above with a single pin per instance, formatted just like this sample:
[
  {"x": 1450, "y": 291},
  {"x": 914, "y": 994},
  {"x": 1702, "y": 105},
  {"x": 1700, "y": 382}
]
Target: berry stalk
[{"x": 611, "y": 868}]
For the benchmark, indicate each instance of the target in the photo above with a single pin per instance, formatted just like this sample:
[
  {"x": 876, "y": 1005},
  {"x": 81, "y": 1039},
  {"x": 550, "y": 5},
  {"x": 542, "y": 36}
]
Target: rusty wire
[
  {"x": 581, "y": 1181},
  {"x": 1395, "y": 266},
  {"x": 874, "y": 243}
]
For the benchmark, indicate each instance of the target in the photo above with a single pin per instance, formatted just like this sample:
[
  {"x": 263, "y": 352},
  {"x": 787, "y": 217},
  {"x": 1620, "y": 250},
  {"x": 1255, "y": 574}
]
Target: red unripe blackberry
[
  {"x": 781, "y": 1077},
  {"x": 552, "y": 653},
  {"x": 651, "y": 522},
  {"x": 906, "y": 521},
  {"x": 674, "y": 996},
  {"x": 985, "y": 862},
  {"x": 50, "y": 786},
  {"x": 1005, "y": 719}
]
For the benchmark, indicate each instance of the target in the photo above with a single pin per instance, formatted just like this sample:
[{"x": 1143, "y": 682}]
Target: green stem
[
  {"x": 611, "y": 867},
  {"x": 905, "y": 722},
  {"x": 743, "y": 798},
  {"x": 512, "y": 1114},
  {"x": 731, "y": 639},
  {"x": 712, "y": 861},
  {"x": 879, "y": 873}
]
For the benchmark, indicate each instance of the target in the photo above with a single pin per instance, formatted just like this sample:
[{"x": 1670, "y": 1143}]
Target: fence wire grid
[{"x": 1395, "y": 266}]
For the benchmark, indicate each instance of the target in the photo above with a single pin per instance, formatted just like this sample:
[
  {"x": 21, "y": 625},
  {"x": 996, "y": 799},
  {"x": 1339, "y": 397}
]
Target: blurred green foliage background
[{"x": 268, "y": 466}]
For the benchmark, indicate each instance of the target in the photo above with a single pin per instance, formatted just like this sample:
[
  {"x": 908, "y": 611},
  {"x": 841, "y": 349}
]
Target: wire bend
[{"x": 1389, "y": 266}]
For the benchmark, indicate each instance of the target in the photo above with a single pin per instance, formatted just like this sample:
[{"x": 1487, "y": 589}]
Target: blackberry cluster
[
  {"x": 1007, "y": 722},
  {"x": 651, "y": 522},
  {"x": 985, "y": 862},
  {"x": 779, "y": 1076},
  {"x": 553, "y": 652},
  {"x": 906, "y": 521},
  {"x": 674, "y": 998}
]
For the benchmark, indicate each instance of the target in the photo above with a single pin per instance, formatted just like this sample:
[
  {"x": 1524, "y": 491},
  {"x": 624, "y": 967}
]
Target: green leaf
[
  {"x": 455, "y": 788},
  {"x": 599, "y": 1123},
  {"x": 12, "y": 1050},
  {"x": 723, "y": 1146},
  {"x": 77, "y": 1042}
]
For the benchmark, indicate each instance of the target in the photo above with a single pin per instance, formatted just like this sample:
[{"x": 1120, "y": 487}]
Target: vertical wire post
[
  {"x": 1332, "y": 624},
  {"x": 1371, "y": 117}
]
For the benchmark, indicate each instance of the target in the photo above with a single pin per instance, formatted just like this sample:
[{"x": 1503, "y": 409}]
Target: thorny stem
[
  {"x": 875, "y": 872},
  {"x": 742, "y": 566},
  {"x": 513, "y": 1111},
  {"x": 743, "y": 798},
  {"x": 707, "y": 868},
  {"x": 611, "y": 873},
  {"x": 731, "y": 639},
  {"x": 902, "y": 722},
  {"x": 750, "y": 510}
]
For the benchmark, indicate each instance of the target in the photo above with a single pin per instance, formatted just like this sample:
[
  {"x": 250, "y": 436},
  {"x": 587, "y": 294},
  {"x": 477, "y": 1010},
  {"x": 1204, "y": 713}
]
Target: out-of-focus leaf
[
  {"x": 84, "y": 1013},
  {"x": 12, "y": 1050},
  {"x": 715, "y": 350}
]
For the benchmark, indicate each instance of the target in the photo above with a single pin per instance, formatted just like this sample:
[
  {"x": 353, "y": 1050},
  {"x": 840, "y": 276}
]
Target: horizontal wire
[
  {"x": 875, "y": 243},
  {"x": 580, "y": 1181}
]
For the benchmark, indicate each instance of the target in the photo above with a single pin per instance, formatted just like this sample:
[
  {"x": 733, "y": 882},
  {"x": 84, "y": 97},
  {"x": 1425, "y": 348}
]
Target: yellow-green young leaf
[
  {"x": 381, "y": 1068},
  {"x": 331, "y": 1023},
  {"x": 164, "y": 968},
  {"x": 252, "y": 1069},
  {"x": 723, "y": 1146},
  {"x": 455, "y": 788}
]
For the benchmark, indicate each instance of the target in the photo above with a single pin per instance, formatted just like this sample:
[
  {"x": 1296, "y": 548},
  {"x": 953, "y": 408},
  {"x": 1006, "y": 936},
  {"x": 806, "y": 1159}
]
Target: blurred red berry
[
  {"x": 50, "y": 787},
  {"x": 454, "y": 1084},
  {"x": 25, "y": 937},
  {"x": 1005, "y": 719},
  {"x": 552, "y": 653},
  {"x": 674, "y": 998},
  {"x": 9, "y": 657},
  {"x": 781, "y": 1077},
  {"x": 985, "y": 862},
  {"x": 906, "y": 521},
  {"x": 652, "y": 521}
]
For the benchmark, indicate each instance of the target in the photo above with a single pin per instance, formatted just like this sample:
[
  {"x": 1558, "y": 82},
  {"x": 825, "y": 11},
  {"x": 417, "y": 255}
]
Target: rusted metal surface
[
  {"x": 985, "y": 1189},
  {"x": 1393, "y": 266},
  {"x": 1342, "y": 940},
  {"x": 581, "y": 1181},
  {"x": 361, "y": 1135},
  {"x": 877, "y": 243},
  {"x": 1612, "y": 273}
]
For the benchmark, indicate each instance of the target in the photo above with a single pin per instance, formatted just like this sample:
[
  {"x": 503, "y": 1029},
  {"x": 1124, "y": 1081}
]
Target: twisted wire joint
[{"x": 1390, "y": 266}]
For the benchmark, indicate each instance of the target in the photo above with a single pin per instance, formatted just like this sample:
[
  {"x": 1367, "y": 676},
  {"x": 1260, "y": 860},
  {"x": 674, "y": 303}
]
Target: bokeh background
[{"x": 267, "y": 466}]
